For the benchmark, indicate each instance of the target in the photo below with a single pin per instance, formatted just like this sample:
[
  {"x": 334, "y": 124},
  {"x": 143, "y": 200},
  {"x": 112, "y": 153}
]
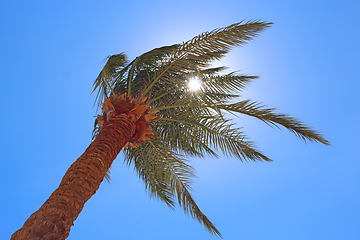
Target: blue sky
[{"x": 309, "y": 67}]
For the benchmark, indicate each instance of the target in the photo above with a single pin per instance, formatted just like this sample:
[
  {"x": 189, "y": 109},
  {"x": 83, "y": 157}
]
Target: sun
[{"x": 194, "y": 84}]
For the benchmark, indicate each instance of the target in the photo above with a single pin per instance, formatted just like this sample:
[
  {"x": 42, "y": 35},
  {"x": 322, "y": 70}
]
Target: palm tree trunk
[{"x": 56, "y": 216}]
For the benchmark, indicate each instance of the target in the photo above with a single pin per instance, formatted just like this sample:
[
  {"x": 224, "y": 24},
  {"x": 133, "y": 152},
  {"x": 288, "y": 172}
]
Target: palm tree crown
[{"x": 190, "y": 123}]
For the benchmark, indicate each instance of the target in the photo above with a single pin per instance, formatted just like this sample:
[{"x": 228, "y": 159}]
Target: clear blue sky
[{"x": 309, "y": 67}]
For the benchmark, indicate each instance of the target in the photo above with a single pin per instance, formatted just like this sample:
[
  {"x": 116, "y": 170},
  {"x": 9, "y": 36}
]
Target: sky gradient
[{"x": 309, "y": 67}]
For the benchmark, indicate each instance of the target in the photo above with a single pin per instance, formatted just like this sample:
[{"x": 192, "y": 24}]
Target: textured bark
[{"x": 56, "y": 216}]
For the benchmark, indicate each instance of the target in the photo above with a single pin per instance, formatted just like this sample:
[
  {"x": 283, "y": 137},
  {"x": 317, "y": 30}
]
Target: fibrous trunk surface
[
  {"x": 124, "y": 123},
  {"x": 55, "y": 217}
]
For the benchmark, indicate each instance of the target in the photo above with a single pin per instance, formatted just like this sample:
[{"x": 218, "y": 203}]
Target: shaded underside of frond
[
  {"x": 167, "y": 176},
  {"x": 191, "y": 135},
  {"x": 103, "y": 83}
]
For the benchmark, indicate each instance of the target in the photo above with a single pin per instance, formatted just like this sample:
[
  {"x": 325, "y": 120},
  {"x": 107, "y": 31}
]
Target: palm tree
[{"x": 149, "y": 112}]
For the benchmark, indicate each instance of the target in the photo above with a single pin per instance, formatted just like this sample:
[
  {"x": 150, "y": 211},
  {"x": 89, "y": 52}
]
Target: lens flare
[{"x": 194, "y": 84}]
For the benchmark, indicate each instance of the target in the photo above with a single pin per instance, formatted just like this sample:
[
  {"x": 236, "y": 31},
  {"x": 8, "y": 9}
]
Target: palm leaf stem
[
  {"x": 130, "y": 76},
  {"x": 161, "y": 74},
  {"x": 162, "y": 95}
]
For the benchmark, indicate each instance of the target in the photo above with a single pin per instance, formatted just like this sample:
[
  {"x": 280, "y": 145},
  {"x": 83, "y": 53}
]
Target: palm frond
[
  {"x": 173, "y": 178},
  {"x": 182, "y": 138},
  {"x": 229, "y": 83},
  {"x": 108, "y": 175},
  {"x": 103, "y": 83},
  {"x": 223, "y": 88},
  {"x": 268, "y": 116},
  {"x": 141, "y": 68},
  {"x": 218, "y": 133},
  {"x": 152, "y": 170},
  {"x": 207, "y": 47}
]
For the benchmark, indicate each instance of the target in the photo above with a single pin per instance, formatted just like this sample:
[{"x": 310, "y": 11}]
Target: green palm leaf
[{"x": 268, "y": 116}]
